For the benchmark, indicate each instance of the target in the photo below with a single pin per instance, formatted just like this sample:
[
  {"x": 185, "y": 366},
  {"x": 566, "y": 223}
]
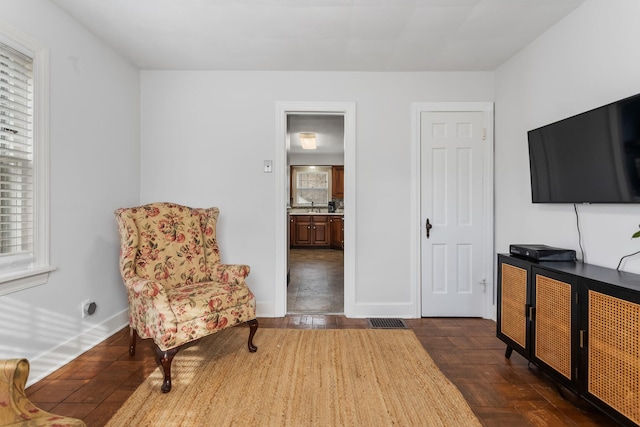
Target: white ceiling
[
  {"x": 329, "y": 130},
  {"x": 318, "y": 35}
]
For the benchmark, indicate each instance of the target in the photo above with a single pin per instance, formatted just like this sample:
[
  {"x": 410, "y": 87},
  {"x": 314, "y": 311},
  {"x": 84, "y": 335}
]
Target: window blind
[{"x": 16, "y": 152}]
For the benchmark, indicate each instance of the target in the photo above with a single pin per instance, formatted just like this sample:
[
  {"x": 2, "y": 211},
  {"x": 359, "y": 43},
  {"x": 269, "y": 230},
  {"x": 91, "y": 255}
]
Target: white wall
[
  {"x": 587, "y": 60},
  {"x": 94, "y": 138},
  {"x": 205, "y": 135}
]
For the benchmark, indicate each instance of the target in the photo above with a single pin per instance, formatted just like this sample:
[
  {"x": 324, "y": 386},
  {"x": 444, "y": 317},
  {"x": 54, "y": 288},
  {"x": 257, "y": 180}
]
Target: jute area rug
[{"x": 348, "y": 377}]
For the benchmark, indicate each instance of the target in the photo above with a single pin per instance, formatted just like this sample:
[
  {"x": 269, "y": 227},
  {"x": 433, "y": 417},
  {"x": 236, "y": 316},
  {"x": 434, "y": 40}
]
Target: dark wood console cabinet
[{"x": 578, "y": 322}]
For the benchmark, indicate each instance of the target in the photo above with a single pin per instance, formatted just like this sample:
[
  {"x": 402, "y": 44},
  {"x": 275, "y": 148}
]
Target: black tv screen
[{"x": 593, "y": 157}]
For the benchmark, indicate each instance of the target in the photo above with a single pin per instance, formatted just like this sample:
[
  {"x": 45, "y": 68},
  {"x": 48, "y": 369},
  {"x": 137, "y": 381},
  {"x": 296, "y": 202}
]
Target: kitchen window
[
  {"x": 24, "y": 202},
  {"x": 311, "y": 185}
]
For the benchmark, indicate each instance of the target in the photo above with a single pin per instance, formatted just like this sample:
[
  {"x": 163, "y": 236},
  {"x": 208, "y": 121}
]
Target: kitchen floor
[{"x": 316, "y": 283}]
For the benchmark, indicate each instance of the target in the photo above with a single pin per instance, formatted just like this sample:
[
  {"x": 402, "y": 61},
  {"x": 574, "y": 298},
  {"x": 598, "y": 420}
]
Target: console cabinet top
[{"x": 609, "y": 276}]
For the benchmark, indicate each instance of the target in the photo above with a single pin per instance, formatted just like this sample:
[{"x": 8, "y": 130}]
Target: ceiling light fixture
[{"x": 308, "y": 140}]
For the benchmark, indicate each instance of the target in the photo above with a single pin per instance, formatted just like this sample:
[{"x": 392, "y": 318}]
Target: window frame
[
  {"x": 295, "y": 170},
  {"x": 35, "y": 272}
]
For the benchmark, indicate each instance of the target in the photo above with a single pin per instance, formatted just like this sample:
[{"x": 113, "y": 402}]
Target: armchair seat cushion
[{"x": 206, "y": 299}]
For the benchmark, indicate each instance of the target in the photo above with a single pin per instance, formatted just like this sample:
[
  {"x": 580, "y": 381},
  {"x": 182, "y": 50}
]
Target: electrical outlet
[{"x": 88, "y": 308}]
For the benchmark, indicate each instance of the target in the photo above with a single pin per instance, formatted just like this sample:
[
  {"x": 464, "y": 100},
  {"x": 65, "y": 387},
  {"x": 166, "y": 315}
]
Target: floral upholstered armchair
[
  {"x": 16, "y": 410},
  {"x": 177, "y": 288}
]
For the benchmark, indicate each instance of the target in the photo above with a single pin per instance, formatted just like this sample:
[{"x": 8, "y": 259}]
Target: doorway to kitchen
[
  {"x": 315, "y": 233},
  {"x": 316, "y": 206}
]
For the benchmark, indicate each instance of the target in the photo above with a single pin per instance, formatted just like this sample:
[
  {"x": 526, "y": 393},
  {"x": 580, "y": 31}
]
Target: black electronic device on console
[{"x": 542, "y": 252}]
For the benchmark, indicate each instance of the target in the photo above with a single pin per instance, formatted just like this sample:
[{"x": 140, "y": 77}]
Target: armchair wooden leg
[
  {"x": 133, "y": 338},
  {"x": 164, "y": 358},
  {"x": 253, "y": 327}
]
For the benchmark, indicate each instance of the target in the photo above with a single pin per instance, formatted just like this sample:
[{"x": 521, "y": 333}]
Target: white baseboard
[{"x": 54, "y": 359}]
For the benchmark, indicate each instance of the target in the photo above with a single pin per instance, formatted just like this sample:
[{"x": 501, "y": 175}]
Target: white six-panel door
[{"x": 452, "y": 162}]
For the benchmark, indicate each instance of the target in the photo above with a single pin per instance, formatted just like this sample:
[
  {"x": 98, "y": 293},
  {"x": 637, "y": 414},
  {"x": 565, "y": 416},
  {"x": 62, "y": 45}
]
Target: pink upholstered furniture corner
[
  {"x": 16, "y": 410},
  {"x": 178, "y": 289}
]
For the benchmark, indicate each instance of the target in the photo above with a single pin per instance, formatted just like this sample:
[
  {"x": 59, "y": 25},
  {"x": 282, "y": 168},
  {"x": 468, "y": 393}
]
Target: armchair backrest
[{"x": 168, "y": 242}]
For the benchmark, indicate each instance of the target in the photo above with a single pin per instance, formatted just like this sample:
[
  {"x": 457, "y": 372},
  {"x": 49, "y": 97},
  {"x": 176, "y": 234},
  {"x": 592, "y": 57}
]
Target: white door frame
[
  {"x": 417, "y": 227},
  {"x": 348, "y": 110}
]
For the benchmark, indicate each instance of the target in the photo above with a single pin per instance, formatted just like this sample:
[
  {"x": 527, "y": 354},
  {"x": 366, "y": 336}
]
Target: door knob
[{"x": 428, "y": 227}]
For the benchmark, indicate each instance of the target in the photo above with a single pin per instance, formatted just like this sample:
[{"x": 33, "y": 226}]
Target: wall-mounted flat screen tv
[{"x": 593, "y": 157}]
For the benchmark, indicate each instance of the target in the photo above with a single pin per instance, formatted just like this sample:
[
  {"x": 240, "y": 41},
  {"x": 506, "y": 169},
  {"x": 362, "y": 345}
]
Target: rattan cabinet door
[
  {"x": 513, "y": 304},
  {"x": 555, "y": 314},
  {"x": 612, "y": 351}
]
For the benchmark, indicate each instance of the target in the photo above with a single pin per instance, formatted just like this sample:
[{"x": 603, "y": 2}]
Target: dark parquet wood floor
[{"x": 501, "y": 392}]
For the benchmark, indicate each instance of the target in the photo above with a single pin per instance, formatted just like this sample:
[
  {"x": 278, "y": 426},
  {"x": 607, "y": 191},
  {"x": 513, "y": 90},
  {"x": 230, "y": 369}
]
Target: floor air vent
[{"x": 381, "y": 323}]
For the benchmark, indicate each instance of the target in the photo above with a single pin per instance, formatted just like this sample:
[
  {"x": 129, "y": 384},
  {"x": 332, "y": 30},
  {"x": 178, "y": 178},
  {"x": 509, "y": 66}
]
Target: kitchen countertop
[{"x": 316, "y": 213}]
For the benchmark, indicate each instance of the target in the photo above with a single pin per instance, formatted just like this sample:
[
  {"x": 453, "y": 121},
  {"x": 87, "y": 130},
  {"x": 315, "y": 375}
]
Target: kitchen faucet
[{"x": 313, "y": 209}]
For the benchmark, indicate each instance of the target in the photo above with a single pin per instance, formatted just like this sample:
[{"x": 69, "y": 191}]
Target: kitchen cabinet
[
  {"x": 579, "y": 323},
  {"x": 301, "y": 234},
  {"x": 337, "y": 182},
  {"x": 336, "y": 226},
  {"x": 310, "y": 231}
]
